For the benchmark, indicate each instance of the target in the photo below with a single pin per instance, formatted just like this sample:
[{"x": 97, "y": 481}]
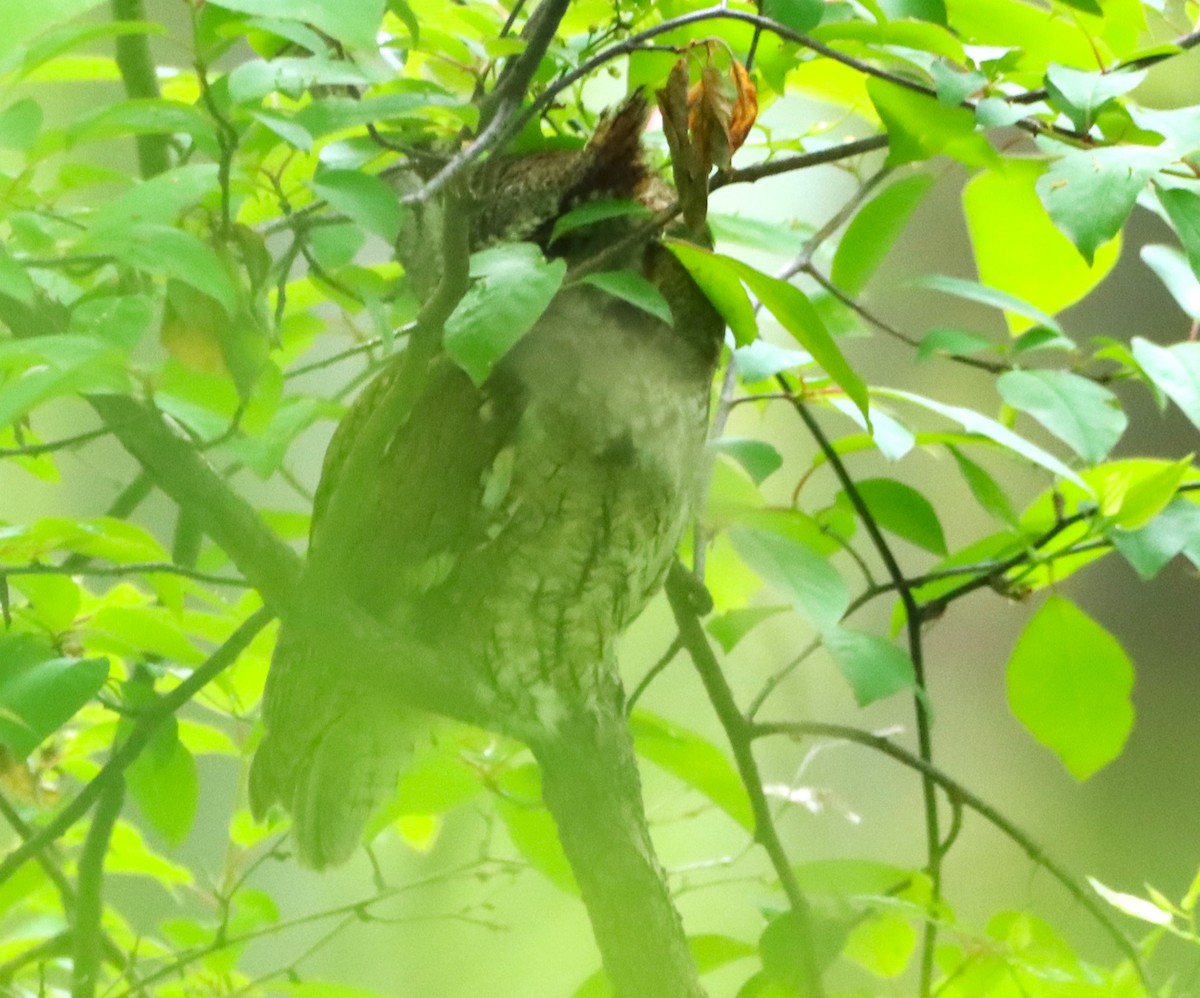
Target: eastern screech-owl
[{"x": 522, "y": 523}]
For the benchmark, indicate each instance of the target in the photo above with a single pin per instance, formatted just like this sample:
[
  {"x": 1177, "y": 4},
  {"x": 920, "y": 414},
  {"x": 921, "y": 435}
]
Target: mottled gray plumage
[{"x": 519, "y": 525}]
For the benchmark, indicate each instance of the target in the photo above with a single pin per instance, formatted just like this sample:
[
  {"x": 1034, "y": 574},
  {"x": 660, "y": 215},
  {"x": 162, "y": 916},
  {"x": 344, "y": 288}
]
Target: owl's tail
[{"x": 331, "y": 755}]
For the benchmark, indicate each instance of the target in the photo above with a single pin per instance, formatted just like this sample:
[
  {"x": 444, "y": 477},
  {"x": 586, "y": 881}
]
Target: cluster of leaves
[{"x": 256, "y": 251}]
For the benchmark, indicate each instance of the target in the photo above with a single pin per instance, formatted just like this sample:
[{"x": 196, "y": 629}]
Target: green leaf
[
  {"x": 366, "y": 200},
  {"x": 1174, "y": 370},
  {"x": 953, "y": 342},
  {"x": 1002, "y": 211},
  {"x": 20, "y": 22},
  {"x": 632, "y": 287},
  {"x": 761, "y": 359},
  {"x": 883, "y": 944},
  {"x": 1173, "y": 270},
  {"x": 40, "y": 692},
  {"x": 758, "y": 457},
  {"x": 1080, "y": 95},
  {"x": 1081, "y": 413},
  {"x": 981, "y": 293},
  {"x": 531, "y": 828},
  {"x": 730, "y": 627},
  {"x": 782, "y": 957},
  {"x": 1183, "y": 209},
  {"x": 591, "y": 212},
  {"x": 796, "y": 314},
  {"x": 920, "y": 127},
  {"x": 795, "y": 571},
  {"x": 717, "y": 276},
  {"x": 164, "y": 783},
  {"x": 985, "y": 489},
  {"x": 19, "y": 124},
  {"x": 513, "y": 286},
  {"x": 251, "y": 81},
  {"x": 159, "y": 200},
  {"x": 1089, "y": 193},
  {"x": 974, "y": 422},
  {"x": 1069, "y": 683},
  {"x": 1132, "y": 905},
  {"x": 799, "y": 15},
  {"x": 1149, "y": 547},
  {"x": 168, "y": 252},
  {"x": 873, "y": 667},
  {"x": 694, "y": 760},
  {"x": 14, "y": 281},
  {"x": 121, "y": 319},
  {"x": 354, "y": 22},
  {"x": 904, "y": 511},
  {"x": 873, "y": 231}
]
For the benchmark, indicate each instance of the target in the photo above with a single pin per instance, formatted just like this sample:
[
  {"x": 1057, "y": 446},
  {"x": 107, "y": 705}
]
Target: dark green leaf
[
  {"x": 873, "y": 230},
  {"x": 904, "y": 511},
  {"x": 40, "y": 692},
  {"x": 364, "y": 199},
  {"x": 985, "y": 489},
  {"x": 873, "y": 667},
  {"x": 1069, "y": 683},
  {"x": 1081, "y": 413},
  {"x": 799, "y": 15},
  {"x": 632, "y": 287},
  {"x": 591, "y": 212},
  {"x": 513, "y": 286},
  {"x": 718, "y": 277}
]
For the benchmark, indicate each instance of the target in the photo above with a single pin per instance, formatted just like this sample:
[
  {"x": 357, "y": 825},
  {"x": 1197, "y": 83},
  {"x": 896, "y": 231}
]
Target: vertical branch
[
  {"x": 87, "y": 939},
  {"x": 912, "y": 615},
  {"x": 141, "y": 83},
  {"x": 681, "y": 593}
]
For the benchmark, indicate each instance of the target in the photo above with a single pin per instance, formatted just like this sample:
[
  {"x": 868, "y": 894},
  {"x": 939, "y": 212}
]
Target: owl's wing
[{"x": 336, "y": 735}]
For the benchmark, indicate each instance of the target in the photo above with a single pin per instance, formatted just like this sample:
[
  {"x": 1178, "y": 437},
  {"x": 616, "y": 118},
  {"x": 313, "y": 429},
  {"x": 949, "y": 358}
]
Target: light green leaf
[
  {"x": 366, "y": 200},
  {"x": 1183, "y": 209},
  {"x": 251, "y": 81},
  {"x": 1173, "y": 270},
  {"x": 1081, "y": 95},
  {"x": 19, "y": 124},
  {"x": 974, "y": 422},
  {"x": 1149, "y": 547},
  {"x": 796, "y": 572},
  {"x": 1132, "y": 905},
  {"x": 513, "y": 286},
  {"x": 920, "y": 127},
  {"x": 873, "y": 667},
  {"x": 164, "y": 783},
  {"x": 159, "y": 200},
  {"x": 40, "y": 692},
  {"x": 1069, "y": 683},
  {"x": 531, "y": 828},
  {"x": 121, "y": 319},
  {"x": 694, "y": 760},
  {"x": 354, "y": 22},
  {"x": 981, "y": 293},
  {"x": 883, "y": 944},
  {"x": 1081, "y": 413},
  {"x": 632, "y": 287},
  {"x": 1089, "y": 193},
  {"x": 1174, "y": 370},
  {"x": 873, "y": 230},
  {"x": 758, "y": 457},
  {"x": 730, "y": 627},
  {"x": 19, "y": 22},
  {"x": 168, "y": 252},
  {"x": 902, "y": 510},
  {"x": 954, "y": 342},
  {"x": 761, "y": 359},
  {"x": 1002, "y": 211}
]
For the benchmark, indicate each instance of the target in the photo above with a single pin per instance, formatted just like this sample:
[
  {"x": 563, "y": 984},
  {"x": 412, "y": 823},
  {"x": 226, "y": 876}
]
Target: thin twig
[{"x": 956, "y": 790}]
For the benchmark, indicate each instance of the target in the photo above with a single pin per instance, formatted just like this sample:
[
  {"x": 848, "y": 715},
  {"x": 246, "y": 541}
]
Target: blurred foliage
[{"x": 255, "y": 249}]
